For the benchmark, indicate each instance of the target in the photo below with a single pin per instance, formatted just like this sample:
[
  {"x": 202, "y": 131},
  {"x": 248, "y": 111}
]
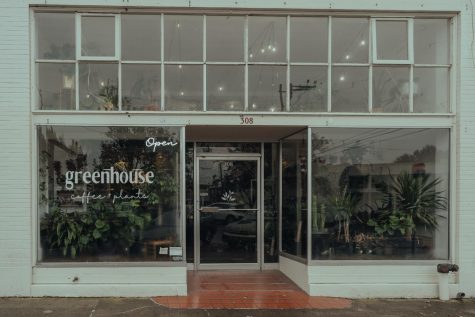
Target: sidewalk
[{"x": 145, "y": 307}]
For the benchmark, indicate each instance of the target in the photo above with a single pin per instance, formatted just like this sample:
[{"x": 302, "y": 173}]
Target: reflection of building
[{"x": 315, "y": 110}]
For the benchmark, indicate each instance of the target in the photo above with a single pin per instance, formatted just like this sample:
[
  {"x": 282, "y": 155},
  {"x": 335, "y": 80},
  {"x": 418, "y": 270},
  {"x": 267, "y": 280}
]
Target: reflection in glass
[
  {"x": 267, "y": 88},
  {"x": 140, "y": 87},
  {"x": 390, "y": 89},
  {"x": 267, "y": 39},
  {"x": 225, "y": 38},
  {"x": 431, "y": 89},
  {"x": 225, "y": 92},
  {"x": 55, "y": 36},
  {"x": 107, "y": 195},
  {"x": 308, "y": 88},
  {"x": 98, "y": 86},
  {"x": 350, "y": 89},
  {"x": 184, "y": 87},
  {"x": 56, "y": 86},
  {"x": 380, "y": 193},
  {"x": 432, "y": 41},
  {"x": 228, "y": 191},
  {"x": 350, "y": 40},
  {"x": 190, "y": 202},
  {"x": 308, "y": 39},
  {"x": 271, "y": 202},
  {"x": 227, "y": 147},
  {"x": 140, "y": 37},
  {"x": 391, "y": 40},
  {"x": 183, "y": 38},
  {"x": 97, "y": 36},
  {"x": 294, "y": 195}
]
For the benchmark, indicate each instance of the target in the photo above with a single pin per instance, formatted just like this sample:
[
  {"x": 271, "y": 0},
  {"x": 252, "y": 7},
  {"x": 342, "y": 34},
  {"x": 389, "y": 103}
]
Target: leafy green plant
[
  {"x": 99, "y": 227},
  {"x": 409, "y": 202},
  {"x": 343, "y": 206}
]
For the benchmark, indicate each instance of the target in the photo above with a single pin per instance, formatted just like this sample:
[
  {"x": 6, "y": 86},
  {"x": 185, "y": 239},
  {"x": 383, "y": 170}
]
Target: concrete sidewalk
[{"x": 145, "y": 307}]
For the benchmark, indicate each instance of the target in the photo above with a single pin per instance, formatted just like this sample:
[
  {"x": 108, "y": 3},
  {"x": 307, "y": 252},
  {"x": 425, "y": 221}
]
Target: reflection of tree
[
  {"x": 126, "y": 150},
  {"x": 426, "y": 154}
]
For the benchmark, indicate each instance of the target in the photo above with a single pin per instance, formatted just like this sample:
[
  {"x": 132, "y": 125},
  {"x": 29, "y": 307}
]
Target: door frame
[{"x": 259, "y": 212}]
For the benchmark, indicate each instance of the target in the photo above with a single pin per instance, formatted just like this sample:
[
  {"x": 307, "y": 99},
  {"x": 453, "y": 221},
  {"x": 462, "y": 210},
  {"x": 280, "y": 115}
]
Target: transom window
[{"x": 215, "y": 63}]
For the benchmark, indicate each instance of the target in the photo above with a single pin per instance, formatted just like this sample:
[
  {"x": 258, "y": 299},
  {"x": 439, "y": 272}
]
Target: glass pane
[
  {"x": 431, "y": 89},
  {"x": 140, "y": 37},
  {"x": 228, "y": 211},
  {"x": 271, "y": 202},
  {"x": 350, "y": 40},
  {"x": 391, "y": 40},
  {"x": 97, "y": 36},
  {"x": 183, "y": 38},
  {"x": 98, "y": 86},
  {"x": 55, "y": 36},
  {"x": 109, "y": 194},
  {"x": 294, "y": 195},
  {"x": 350, "y": 89},
  {"x": 267, "y": 39},
  {"x": 225, "y": 38},
  {"x": 141, "y": 87},
  {"x": 56, "y": 86},
  {"x": 190, "y": 202},
  {"x": 267, "y": 86},
  {"x": 390, "y": 89},
  {"x": 225, "y": 92},
  {"x": 308, "y": 39},
  {"x": 308, "y": 88},
  {"x": 432, "y": 41},
  {"x": 184, "y": 87},
  {"x": 380, "y": 194},
  {"x": 227, "y": 147}
]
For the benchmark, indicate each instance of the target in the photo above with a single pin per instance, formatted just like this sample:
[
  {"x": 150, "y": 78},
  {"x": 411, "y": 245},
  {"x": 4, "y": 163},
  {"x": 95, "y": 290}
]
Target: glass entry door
[{"x": 228, "y": 212}]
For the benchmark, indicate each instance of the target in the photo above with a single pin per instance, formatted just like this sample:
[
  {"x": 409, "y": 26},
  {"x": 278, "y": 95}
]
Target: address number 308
[{"x": 246, "y": 119}]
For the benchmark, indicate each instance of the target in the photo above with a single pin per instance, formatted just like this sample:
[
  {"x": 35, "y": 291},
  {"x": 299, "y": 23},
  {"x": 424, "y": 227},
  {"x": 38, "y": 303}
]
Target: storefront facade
[{"x": 331, "y": 142}]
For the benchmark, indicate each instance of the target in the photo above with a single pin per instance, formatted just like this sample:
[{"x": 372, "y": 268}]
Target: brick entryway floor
[{"x": 246, "y": 290}]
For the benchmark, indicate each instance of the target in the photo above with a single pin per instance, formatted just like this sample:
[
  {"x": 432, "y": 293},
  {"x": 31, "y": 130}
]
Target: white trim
[
  {"x": 410, "y": 50},
  {"x": 309, "y": 194},
  {"x": 162, "y": 67},
  {"x": 330, "y": 67},
  {"x": 204, "y": 69},
  {"x": 183, "y": 191},
  {"x": 246, "y": 61},
  {"x": 287, "y": 58}
]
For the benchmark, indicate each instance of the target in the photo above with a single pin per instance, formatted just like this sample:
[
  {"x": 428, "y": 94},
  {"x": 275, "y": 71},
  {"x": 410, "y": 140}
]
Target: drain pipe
[{"x": 444, "y": 269}]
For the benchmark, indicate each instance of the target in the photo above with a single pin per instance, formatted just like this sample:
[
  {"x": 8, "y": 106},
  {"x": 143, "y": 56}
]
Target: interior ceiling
[{"x": 216, "y": 133}]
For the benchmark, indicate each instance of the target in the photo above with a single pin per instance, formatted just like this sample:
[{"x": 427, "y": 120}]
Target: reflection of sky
[
  {"x": 379, "y": 145},
  {"x": 90, "y": 139}
]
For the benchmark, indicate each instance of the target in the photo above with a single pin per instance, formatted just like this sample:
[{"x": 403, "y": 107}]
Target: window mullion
[
  {"x": 162, "y": 66},
  {"x": 246, "y": 66},
  {"x": 204, "y": 69},
  {"x": 329, "y": 70}
]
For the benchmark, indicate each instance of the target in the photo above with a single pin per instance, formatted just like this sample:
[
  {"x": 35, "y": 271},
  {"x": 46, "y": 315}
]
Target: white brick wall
[
  {"x": 15, "y": 158},
  {"x": 15, "y": 127},
  {"x": 466, "y": 156}
]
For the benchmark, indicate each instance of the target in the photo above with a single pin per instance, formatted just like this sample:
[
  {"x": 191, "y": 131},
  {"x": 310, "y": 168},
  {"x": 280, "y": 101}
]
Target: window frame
[
  {"x": 372, "y": 61},
  {"x": 410, "y": 42}
]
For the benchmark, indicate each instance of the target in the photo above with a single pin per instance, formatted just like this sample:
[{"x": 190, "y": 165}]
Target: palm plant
[
  {"x": 343, "y": 205},
  {"x": 414, "y": 198}
]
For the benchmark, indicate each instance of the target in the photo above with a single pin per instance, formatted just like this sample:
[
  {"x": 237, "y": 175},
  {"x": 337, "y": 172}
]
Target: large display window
[
  {"x": 380, "y": 193},
  {"x": 109, "y": 194}
]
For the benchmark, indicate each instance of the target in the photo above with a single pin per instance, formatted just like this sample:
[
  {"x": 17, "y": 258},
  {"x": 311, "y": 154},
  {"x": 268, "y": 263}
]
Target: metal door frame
[{"x": 256, "y": 157}]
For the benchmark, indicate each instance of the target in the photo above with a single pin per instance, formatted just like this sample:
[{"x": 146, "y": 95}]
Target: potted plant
[{"x": 410, "y": 203}]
